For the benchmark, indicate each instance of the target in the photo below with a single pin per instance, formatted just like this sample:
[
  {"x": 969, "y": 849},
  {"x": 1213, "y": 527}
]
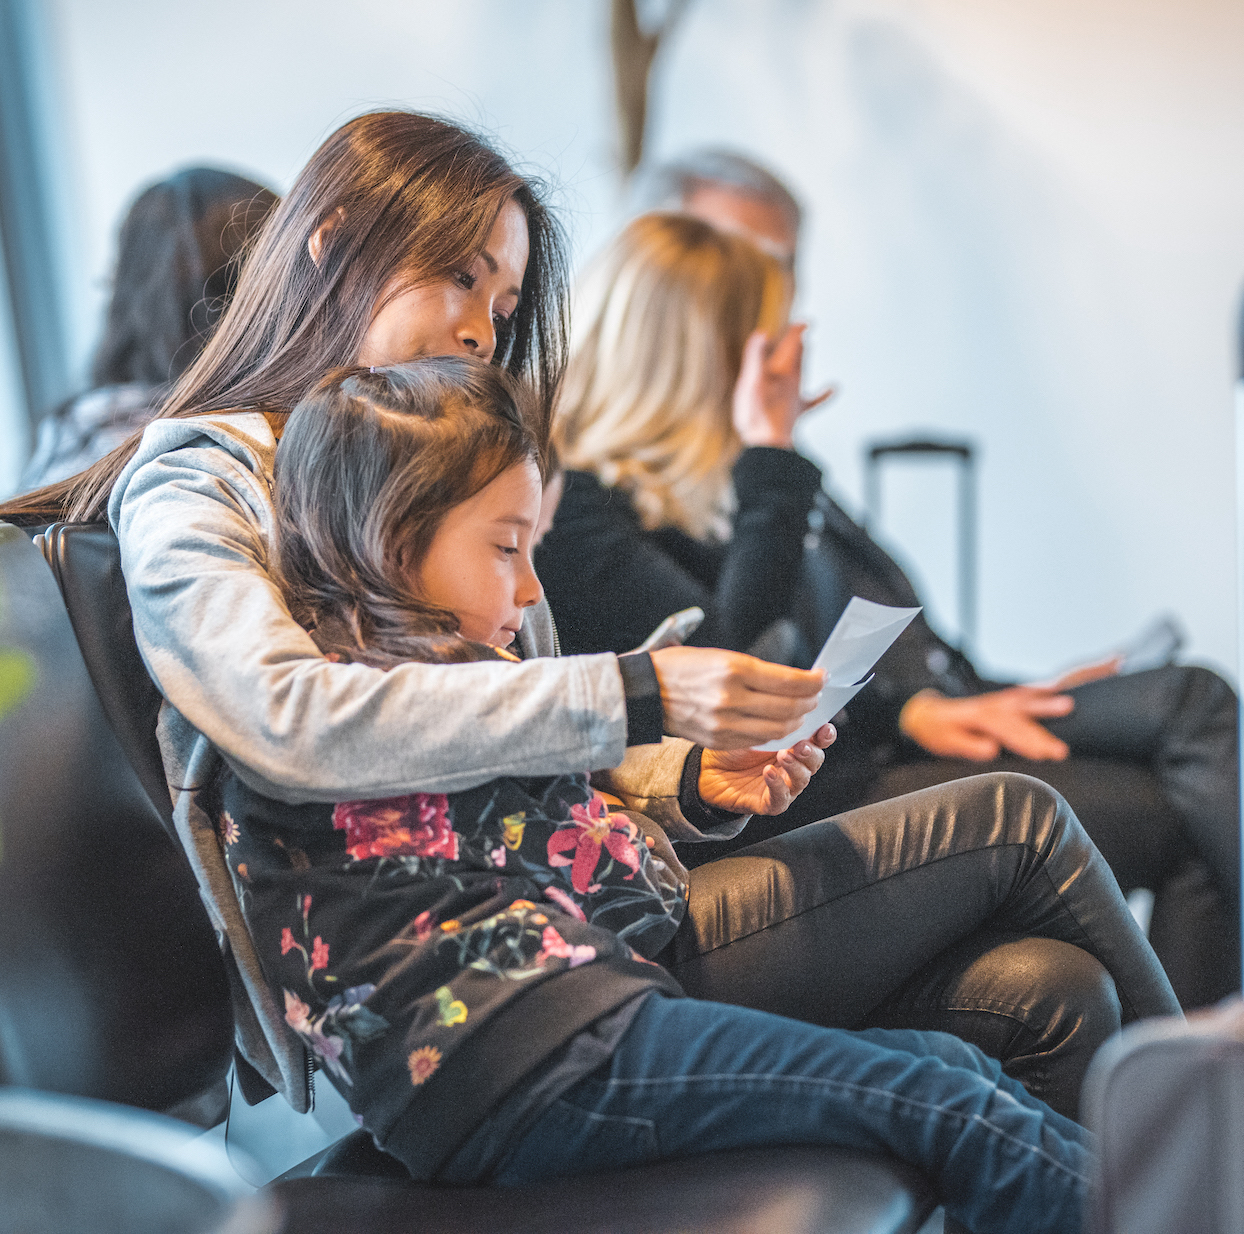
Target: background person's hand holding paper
[{"x": 862, "y": 636}]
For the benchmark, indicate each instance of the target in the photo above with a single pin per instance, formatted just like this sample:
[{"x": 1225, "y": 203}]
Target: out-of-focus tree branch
[{"x": 634, "y": 50}]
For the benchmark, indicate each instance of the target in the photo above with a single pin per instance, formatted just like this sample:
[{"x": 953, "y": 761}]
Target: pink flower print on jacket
[
  {"x": 333, "y": 1033},
  {"x": 593, "y": 828},
  {"x": 319, "y": 954},
  {"x": 553, "y": 945},
  {"x": 564, "y": 902},
  {"x": 413, "y": 826}
]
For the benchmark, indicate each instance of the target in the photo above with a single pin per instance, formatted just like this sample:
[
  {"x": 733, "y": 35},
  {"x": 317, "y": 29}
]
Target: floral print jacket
[{"x": 405, "y": 934}]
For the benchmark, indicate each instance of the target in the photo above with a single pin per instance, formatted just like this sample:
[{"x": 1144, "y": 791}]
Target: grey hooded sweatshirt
[{"x": 243, "y": 682}]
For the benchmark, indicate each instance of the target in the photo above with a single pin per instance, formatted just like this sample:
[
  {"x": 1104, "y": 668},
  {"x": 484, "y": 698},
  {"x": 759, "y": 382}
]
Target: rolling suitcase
[{"x": 963, "y": 455}]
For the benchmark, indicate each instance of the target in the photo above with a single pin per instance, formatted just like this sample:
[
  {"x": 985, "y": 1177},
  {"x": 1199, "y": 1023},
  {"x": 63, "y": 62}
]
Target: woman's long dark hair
[
  {"x": 176, "y": 270},
  {"x": 395, "y": 449},
  {"x": 415, "y": 196}
]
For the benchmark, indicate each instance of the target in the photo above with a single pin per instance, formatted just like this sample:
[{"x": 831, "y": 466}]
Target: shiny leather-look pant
[
  {"x": 1154, "y": 777},
  {"x": 979, "y": 908}
]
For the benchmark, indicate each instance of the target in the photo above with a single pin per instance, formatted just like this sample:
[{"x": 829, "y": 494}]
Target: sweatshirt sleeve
[
  {"x": 775, "y": 490},
  {"x": 611, "y": 583},
  {"x": 194, "y": 525}
]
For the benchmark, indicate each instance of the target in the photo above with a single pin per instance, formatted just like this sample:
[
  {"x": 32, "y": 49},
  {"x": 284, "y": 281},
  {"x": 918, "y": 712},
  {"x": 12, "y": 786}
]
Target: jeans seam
[
  {"x": 909, "y": 1104},
  {"x": 596, "y": 1116}
]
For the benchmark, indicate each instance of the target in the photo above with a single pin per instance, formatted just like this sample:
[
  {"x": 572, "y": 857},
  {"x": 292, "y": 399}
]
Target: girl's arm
[{"x": 597, "y": 866}]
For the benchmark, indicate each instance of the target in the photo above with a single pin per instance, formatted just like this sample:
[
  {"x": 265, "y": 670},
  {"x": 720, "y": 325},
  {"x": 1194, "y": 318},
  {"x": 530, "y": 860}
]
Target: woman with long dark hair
[
  {"x": 981, "y": 908},
  {"x": 177, "y": 266}
]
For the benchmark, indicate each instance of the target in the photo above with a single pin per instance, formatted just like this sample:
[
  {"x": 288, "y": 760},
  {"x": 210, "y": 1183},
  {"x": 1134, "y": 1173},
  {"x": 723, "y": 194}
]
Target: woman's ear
[{"x": 315, "y": 242}]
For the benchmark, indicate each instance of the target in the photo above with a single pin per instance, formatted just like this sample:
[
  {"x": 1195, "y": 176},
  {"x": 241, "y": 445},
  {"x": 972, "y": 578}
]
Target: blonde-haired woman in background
[
  {"x": 674, "y": 424},
  {"x": 937, "y": 910}
]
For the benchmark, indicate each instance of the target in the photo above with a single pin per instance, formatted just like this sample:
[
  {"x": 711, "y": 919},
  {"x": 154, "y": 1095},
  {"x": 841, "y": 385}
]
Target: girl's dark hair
[
  {"x": 368, "y": 466},
  {"x": 177, "y": 267},
  {"x": 415, "y": 196}
]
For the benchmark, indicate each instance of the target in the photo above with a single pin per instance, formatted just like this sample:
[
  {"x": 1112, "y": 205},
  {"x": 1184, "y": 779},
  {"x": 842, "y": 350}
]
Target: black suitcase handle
[{"x": 962, "y": 453}]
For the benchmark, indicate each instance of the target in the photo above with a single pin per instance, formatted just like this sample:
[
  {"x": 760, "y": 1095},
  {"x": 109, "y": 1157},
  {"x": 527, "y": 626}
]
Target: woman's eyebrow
[{"x": 518, "y": 520}]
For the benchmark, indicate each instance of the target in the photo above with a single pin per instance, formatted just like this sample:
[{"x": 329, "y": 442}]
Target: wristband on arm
[{"x": 645, "y": 717}]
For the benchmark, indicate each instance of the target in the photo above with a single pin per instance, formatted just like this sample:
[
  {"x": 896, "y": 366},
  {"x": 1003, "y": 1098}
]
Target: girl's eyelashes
[{"x": 466, "y": 279}]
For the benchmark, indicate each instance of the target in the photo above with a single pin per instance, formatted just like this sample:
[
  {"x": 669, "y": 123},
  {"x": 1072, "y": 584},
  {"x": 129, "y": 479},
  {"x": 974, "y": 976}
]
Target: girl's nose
[{"x": 530, "y": 591}]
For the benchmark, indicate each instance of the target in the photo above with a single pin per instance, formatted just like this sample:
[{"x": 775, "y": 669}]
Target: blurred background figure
[
  {"x": 730, "y": 191},
  {"x": 176, "y": 268},
  {"x": 1147, "y": 759}
]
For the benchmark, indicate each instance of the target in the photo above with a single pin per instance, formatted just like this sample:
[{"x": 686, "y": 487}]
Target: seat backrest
[
  {"x": 86, "y": 560},
  {"x": 111, "y": 981}
]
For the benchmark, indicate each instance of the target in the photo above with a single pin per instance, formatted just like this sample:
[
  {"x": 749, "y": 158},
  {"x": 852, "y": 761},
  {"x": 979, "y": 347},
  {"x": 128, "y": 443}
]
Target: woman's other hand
[
  {"x": 982, "y": 726},
  {"x": 767, "y": 398},
  {"x": 729, "y": 701},
  {"x": 758, "y": 782}
]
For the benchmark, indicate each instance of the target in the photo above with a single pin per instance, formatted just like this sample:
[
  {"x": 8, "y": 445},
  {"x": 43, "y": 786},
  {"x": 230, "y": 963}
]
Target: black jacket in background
[{"x": 610, "y": 583}]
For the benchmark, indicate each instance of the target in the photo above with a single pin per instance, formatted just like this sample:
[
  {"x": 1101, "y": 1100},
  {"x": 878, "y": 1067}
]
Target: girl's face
[
  {"x": 478, "y": 565},
  {"x": 460, "y": 315}
]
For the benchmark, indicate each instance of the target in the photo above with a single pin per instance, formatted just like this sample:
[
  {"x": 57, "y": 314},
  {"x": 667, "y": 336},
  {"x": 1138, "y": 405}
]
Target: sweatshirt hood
[{"x": 244, "y": 435}]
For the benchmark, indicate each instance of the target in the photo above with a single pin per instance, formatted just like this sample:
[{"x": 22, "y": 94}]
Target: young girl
[{"x": 471, "y": 969}]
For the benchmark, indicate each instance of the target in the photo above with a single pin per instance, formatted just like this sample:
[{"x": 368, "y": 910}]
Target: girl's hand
[
  {"x": 767, "y": 401},
  {"x": 759, "y": 782}
]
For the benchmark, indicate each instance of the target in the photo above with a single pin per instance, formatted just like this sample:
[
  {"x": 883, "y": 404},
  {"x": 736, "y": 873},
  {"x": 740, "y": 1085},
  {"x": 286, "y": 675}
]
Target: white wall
[
  {"x": 1030, "y": 228},
  {"x": 1026, "y": 224}
]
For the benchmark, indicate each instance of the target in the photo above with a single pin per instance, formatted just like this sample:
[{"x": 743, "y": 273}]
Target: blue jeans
[{"x": 692, "y": 1076}]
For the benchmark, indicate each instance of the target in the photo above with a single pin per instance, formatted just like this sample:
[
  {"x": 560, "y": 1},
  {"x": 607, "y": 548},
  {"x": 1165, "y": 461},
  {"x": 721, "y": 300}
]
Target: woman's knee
[
  {"x": 1033, "y": 987},
  {"x": 1008, "y": 807},
  {"x": 1051, "y": 1006},
  {"x": 1061, "y": 990},
  {"x": 1208, "y": 699},
  {"x": 1040, "y": 1006}
]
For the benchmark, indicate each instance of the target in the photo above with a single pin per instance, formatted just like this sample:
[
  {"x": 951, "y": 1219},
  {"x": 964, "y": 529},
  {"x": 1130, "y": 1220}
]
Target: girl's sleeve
[
  {"x": 598, "y": 868},
  {"x": 222, "y": 647}
]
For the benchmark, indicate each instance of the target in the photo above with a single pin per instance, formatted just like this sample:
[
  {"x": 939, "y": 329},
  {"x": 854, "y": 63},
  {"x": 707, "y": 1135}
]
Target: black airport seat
[{"x": 111, "y": 982}]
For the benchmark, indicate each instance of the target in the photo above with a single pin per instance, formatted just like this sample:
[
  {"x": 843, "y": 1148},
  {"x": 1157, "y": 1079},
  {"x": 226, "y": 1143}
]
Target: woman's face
[
  {"x": 457, "y": 316},
  {"x": 478, "y": 565}
]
